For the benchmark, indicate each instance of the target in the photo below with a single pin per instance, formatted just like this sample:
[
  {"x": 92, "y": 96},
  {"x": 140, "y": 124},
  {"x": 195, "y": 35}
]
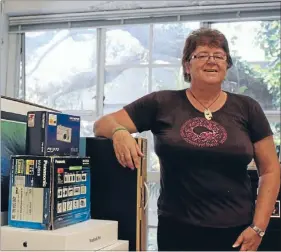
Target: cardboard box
[
  {"x": 48, "y": 192},
  {"x": 50, "y": 133},
  {"x": 90, "y": 235}
]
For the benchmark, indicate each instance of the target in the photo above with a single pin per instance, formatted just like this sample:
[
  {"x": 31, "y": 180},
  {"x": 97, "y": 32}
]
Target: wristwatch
[{"x": 259, "y": 231}]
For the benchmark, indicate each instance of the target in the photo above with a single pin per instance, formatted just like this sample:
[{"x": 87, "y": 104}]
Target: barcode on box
[
  {"x": 14, "y": 209},
  {"x": 19, "y": 180}
]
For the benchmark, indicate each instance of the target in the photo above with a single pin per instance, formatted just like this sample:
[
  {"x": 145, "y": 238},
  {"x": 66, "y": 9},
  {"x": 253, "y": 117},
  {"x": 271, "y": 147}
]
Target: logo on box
[
  {"x": 52, "y": 119},
  {"x": 31, "y": 120}
]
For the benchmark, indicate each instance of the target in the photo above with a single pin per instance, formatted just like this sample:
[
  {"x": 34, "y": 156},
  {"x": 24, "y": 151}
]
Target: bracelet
[{"x": 117, "y": 129}]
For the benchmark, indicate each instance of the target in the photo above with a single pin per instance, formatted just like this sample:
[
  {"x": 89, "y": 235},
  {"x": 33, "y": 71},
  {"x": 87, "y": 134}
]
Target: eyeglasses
[{"x": 205, "y": 56}]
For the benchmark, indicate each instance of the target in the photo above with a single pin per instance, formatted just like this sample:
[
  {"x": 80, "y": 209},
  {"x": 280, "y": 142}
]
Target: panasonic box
[
  {"x": 48, "y": 192},
  {"x": 50, "y": 133}
]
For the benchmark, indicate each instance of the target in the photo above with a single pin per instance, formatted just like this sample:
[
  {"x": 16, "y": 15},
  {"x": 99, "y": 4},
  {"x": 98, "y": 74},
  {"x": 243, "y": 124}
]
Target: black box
[
  {"x": 119, "y": 193},
  {"x": 50, "y": 133}
]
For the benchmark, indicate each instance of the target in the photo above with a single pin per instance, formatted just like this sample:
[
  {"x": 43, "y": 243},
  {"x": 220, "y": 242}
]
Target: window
[
  {"x": 127, "y": 85},
  {"x": 127, "y": 45},
  {"x": 152, "y": 215},
  {"x": 126, "y": 57},
  {"x": 168, "y": 41},
  {"x": 256, "y": 56},
  {"x": 164, "y": 78},
  {"x": 60, "y": 72},
  {"x": 152, "y": 239},
  {"x": 255, "y": 48}
]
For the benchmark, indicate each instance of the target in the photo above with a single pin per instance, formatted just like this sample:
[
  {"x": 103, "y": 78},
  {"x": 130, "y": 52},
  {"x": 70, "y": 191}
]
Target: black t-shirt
[{"x": 204, "y": 179}]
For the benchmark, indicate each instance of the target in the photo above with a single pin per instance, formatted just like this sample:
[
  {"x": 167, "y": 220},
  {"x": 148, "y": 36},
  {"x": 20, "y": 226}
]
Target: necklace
[{"x": 207, "y": 112}]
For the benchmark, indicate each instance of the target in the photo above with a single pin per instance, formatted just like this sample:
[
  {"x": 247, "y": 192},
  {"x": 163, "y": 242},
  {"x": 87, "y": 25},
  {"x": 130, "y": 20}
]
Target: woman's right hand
[{"x": 126, "y": 149}]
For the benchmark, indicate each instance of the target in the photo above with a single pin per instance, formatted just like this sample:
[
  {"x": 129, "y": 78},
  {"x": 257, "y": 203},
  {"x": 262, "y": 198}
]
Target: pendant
[{"x": 208, "y": 114}]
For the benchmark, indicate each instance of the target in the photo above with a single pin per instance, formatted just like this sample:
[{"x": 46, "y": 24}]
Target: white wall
[
  {"x": 21, "y": 7},
  {"x": 16, "y": 7}
]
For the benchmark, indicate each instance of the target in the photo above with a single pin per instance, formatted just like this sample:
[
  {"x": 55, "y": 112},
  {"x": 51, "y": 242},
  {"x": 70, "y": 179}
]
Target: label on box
[
  {"x": 31, "y": 120},
  {"x": 52, "y": 119},
  {"x": 23, "y": 199},
  {"x": 29, "y": 193}
]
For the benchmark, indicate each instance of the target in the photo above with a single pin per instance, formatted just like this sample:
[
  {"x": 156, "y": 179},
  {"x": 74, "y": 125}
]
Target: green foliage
[
  {"x": 268, "y": 39},
  {"x": 243, "y": 78},
  {"x": 260, "y": 81}
]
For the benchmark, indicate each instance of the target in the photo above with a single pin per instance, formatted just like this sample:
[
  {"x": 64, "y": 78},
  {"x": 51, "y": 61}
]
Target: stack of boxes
[
  {"x": 50, "y": 192},
  {"x": 50, "y": 185}
]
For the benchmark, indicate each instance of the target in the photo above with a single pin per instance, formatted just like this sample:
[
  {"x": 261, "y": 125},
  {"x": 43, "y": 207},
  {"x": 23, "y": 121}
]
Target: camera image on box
[{"x": 64, "y": 134}]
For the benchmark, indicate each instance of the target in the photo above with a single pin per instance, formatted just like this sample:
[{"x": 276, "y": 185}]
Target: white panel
[
  {"x": 101, "y": 38},
  {"x": 20, "y": 107},
  {"x": 20, "y": 7},
  {"x": 40, "y": 7},
  {"x": 3, "y": 48},
  {"x": 100, "y": 18},
  {"x": 13, "y": 62}
]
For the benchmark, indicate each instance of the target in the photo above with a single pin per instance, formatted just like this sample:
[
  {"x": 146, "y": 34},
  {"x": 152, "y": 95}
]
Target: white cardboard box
[
  {"x": 88, "y": 235},
  {"x": 120, "y": 245}
]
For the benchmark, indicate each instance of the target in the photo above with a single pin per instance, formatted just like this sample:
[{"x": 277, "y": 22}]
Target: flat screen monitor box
[
  {"x": 48, "y": 192},
  {"x": 119, "y": 193},
  {"x": 50, "y": 133},
  {"x": 91, "y": 235},
  {"x": 13, "y": 141}
]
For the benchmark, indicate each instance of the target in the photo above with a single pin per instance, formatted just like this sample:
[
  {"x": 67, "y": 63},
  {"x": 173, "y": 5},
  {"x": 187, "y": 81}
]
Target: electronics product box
[
  {"x": 50, "y": 133},
  {"x": 48, "y": 192},
  {"x": 91, "y": 235}
]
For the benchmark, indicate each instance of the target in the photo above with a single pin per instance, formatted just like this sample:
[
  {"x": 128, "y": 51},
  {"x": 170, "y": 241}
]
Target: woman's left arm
[
  {"x": 267, "y": 163},
  {"x": 269, "y": 185}
]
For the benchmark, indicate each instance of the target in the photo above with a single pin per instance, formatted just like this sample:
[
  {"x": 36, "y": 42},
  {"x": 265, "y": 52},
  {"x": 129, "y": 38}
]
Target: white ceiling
[{"x": 23, "y": 7}]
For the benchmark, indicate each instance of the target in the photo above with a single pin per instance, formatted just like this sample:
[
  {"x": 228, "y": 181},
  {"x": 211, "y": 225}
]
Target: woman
[{"x": 204, "y": 138}]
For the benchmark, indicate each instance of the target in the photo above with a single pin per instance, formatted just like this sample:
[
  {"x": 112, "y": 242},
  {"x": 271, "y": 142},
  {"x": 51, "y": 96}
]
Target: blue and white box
[
  {"x": 48, "y": 192},
  {"x": 50, "y": 133}
]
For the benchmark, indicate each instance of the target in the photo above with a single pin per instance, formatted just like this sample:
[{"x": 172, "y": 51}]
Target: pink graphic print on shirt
[{"x": 203, "y": 133}]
